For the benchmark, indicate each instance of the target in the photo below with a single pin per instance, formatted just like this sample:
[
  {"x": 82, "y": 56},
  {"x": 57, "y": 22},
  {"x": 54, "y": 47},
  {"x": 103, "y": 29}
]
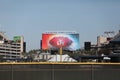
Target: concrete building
[
  {"x": 11, "y": 49},
  {"x": 101, "y": 40}
]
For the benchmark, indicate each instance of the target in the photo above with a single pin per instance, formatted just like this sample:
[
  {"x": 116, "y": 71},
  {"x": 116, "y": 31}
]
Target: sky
[{"x": 30, "y": 18}]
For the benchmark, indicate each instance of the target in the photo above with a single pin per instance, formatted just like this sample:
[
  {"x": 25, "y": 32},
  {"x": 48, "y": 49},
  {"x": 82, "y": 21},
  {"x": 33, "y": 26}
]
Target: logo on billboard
[{"x": 60, "y": 42}]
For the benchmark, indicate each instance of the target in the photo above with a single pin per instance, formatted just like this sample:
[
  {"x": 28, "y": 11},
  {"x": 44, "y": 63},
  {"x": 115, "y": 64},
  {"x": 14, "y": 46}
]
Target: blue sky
[{"x": 31, "y": 18}]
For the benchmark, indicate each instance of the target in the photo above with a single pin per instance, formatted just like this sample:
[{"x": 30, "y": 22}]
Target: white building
[{"x": 11, "y": 48}]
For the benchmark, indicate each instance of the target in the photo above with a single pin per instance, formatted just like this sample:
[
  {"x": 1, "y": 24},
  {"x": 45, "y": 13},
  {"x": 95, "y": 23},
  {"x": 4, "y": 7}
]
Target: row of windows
[
  {"x": 11, "y": 56},
  {"x": 9, "y": 49},
  {"x": 9, "y": 45},
  {"x": 9, "y": 52}
]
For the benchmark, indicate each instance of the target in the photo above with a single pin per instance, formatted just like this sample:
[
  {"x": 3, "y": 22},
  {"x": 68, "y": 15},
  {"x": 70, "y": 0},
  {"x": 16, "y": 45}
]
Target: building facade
[
  {"x": 11, "y": 49},
  {"x": 101, "y": 40}
]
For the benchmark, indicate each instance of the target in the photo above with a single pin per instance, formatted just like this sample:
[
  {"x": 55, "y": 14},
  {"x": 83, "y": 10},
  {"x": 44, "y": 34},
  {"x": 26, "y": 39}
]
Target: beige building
[
  {"x": 11, "y": 48},
  {"x": 101, "y": 40}
]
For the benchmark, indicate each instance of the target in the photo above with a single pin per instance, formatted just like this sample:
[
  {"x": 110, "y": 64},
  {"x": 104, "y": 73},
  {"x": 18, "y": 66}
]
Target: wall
[{"x": 58, "y": 71}]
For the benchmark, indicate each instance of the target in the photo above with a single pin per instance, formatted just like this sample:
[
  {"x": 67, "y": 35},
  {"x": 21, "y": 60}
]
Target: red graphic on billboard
[{"x": 60, "y": 42}]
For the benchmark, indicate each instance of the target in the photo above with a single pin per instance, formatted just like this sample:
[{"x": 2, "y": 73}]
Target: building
[
  {"x": 11, "y": 49},
  {"x": 104, "y": 40},
  {"x": 101, "y": 40},
  {"x": 116, "y": 38},
  {"x": 115, "y": 42},
  {"x": 87, "y": 45}
]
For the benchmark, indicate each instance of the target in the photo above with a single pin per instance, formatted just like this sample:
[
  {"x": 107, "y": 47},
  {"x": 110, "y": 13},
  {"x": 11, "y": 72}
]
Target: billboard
[
  {"x": 17, "y": 38},
  {"x": 55, "y": 41}
]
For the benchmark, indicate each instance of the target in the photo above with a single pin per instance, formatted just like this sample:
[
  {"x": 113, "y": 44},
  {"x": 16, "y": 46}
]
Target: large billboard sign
[{"x": 55, "y": 41}]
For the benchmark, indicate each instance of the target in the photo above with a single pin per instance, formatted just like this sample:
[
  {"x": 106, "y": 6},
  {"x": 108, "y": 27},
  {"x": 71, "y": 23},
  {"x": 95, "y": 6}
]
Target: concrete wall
[{"x": 65, "y": 71}]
